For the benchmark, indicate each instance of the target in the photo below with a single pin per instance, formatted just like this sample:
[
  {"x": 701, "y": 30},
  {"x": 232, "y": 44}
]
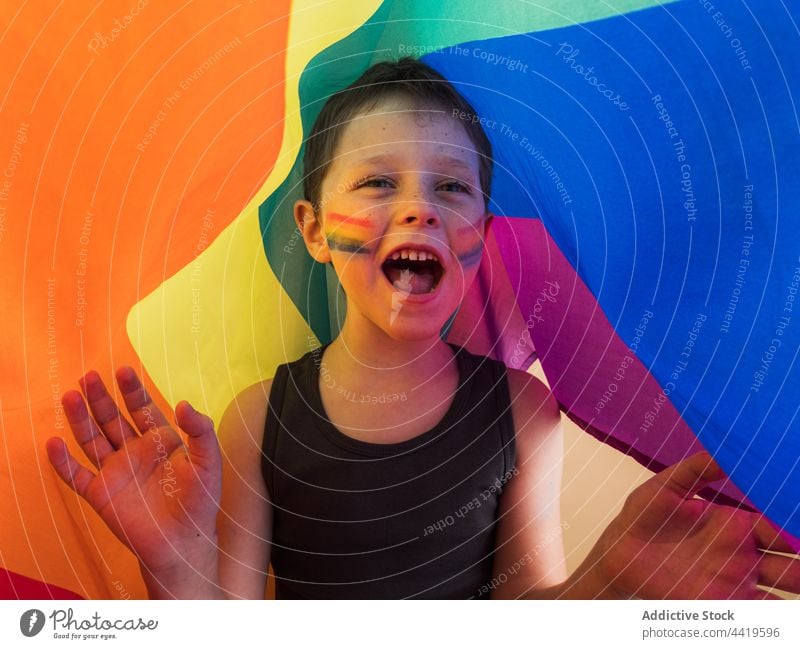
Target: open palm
[
  {"x": 159, "y": 496},
  {"x": 665, "y": 543}
]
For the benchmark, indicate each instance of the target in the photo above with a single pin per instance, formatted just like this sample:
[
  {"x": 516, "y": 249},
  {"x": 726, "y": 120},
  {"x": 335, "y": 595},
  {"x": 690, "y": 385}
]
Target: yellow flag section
[{"x": 224, "y": 322}]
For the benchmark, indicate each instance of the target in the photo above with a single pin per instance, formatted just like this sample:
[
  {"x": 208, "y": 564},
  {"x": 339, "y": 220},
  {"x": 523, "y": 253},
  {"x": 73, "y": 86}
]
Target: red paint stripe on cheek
[{"x": 343, "y": 219}]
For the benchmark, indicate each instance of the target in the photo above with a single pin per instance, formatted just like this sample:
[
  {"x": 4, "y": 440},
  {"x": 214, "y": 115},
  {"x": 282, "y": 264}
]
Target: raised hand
[
  {"x": 157, "y": 495},
  {"x": 666, "y": 544}
]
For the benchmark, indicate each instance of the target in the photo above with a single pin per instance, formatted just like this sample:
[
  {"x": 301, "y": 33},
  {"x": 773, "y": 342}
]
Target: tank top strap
[
  {"x": 490, "y": 377},
  {"x": 505, "y": 424},
  {"x": 272, "y": 426}
]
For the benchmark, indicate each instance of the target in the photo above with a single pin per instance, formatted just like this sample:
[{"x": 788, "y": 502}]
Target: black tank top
[{"x": 414, "y": 519}]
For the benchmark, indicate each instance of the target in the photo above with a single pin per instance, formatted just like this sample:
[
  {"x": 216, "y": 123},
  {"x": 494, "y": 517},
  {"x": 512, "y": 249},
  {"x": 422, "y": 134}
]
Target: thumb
[
  {"x": 202, "y": 443},
  {"x": 687, "y": 477}
]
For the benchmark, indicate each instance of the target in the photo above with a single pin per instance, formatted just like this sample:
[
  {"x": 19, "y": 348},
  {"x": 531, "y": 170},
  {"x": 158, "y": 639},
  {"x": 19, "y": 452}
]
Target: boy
[{"x": 449, "y": 487}]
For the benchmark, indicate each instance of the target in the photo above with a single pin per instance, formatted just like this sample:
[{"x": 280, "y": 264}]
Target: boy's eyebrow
[{"x": 442, "y": 159}]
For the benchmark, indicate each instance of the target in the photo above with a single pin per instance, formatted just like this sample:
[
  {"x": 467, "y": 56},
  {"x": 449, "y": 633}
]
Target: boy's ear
[
  {"x": 487, "y": 223},
  {"x": 311, "y": 229}
]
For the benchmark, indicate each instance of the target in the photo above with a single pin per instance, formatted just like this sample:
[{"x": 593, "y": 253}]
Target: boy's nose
[{"x": 419, "y": 213}]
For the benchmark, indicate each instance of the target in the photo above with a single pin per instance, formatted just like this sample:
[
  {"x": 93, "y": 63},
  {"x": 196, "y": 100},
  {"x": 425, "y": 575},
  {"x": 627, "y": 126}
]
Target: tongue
[{"x": 408, "y": 281}]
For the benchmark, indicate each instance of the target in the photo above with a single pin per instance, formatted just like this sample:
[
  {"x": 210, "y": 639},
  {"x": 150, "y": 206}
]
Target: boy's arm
[
  {"x": 244, "y": 523},
  {"x": 237, "y": 566},
  {"x": 529, "y": 553},
  {"x": 529, "y": 559}
]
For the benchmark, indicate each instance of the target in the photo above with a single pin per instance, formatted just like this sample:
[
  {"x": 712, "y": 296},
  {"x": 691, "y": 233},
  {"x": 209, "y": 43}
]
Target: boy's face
[{"x": 402, "y": 185}]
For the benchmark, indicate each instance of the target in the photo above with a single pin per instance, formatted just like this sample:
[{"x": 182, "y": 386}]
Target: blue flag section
[{"x": 660, "y": 150}]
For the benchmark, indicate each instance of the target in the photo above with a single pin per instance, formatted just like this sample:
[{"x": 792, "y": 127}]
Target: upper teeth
[{"x": 414, "y": 255}]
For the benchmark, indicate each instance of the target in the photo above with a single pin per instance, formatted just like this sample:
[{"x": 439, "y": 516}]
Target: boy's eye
[
  {"x": 374, "y": 182},
  {"x": 454, "y": 186}
]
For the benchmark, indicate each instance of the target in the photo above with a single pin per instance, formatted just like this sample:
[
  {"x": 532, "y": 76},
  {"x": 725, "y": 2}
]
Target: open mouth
[{"x": 413, "y": 275}]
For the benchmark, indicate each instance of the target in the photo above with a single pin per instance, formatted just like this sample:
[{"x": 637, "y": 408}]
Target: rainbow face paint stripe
[
  {"x": 346, "y": 233},
  {"x": 469, "y": 245},
  {"x": 345, "y": 221},
  {"x": 471, "y": 256},
  {"x": 345, "y": 244}
]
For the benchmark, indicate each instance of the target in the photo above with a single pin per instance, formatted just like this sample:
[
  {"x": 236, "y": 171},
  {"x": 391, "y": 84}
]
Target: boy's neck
[{"x": 372, "y": 357}]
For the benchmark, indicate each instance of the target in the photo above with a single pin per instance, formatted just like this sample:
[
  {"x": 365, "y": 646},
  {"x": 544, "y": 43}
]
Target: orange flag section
[{"x": 131, "y": 134}]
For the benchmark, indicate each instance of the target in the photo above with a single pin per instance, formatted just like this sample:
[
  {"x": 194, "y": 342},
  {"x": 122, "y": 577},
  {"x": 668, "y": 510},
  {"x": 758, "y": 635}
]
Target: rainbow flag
[{"x": 645, "y": 245}]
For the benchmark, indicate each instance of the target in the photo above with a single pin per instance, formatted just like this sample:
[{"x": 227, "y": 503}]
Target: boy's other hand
[
  {"x": 159, "y": 496},
  {"x": 667, "y": 544}
]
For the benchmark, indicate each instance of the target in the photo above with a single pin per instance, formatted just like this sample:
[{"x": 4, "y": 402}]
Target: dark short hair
[{"x": 408, "y": 78}]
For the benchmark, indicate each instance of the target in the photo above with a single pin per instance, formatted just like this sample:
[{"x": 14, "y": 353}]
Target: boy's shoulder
[
  {"x": 247, "y": 411},
  {"x": 520, "y": 381},
  {"x": 534, "y": 408},
  {"x": 530, "y": 397},
  {"x": 254, "y": 398},
  {"x": 254, "y": 394}
]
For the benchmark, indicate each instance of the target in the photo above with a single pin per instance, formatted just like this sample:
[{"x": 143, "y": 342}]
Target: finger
[
  {"x": 203, "y": 443},
  {"x": 104, "y": 409},
  {"x": 762, "y": 594},
  {"x": 769, "y": 537},
  {"x": 86, "y": 432},
  {"x": 144, "y": 412},
  {"x": 689, "y": 476},
  {"x": 67, "y": 467},
  {"x": 777, "y": 571}
]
